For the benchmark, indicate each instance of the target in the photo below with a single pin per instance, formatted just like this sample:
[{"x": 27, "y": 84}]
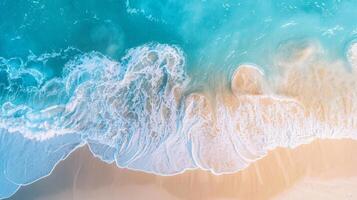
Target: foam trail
[{"x": 140, "y": 113}]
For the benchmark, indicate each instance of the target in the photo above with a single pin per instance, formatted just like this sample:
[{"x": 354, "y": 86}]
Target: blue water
[{"x": 117, "y": 75}]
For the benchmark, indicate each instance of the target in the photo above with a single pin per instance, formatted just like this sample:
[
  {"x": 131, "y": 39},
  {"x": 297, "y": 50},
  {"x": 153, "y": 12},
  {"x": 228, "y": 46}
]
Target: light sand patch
[{"x": 81, "y": 177}]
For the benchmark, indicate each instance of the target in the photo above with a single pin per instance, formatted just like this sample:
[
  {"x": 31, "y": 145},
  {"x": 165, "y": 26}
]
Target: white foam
[
  {"x": 136, "y": 112},
  {"x": 352, "y": 54}
]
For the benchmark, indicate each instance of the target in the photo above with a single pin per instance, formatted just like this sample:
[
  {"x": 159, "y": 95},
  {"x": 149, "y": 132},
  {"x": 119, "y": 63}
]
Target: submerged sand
[{"x": 307, "y": 172}]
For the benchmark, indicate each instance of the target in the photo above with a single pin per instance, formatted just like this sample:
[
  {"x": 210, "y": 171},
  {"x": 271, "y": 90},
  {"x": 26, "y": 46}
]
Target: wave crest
[{"x": 140, "y": 114}]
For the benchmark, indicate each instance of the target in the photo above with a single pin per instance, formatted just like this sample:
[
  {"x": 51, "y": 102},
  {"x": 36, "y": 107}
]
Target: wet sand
[{"x": 306, "y": 172}]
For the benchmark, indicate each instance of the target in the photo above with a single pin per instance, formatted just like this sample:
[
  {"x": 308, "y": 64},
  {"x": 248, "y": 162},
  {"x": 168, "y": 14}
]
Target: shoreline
[{"x": 82, "y": 176}]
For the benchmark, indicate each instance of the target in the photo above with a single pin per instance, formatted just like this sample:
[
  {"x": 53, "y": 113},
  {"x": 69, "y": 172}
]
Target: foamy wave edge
[{"x": 139, "y": 113}]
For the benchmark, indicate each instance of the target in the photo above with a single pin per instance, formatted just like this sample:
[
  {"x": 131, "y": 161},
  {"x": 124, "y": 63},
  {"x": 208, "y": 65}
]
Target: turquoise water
[{"x": 121, "y": 76}]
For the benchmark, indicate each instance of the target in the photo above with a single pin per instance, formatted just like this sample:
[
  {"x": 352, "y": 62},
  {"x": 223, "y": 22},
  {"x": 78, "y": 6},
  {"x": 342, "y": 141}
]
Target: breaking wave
[{"x": 142, "y": 113}]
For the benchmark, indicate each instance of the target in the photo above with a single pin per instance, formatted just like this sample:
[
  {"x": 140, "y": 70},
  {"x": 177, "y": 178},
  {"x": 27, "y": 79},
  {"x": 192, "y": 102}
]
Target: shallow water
[{"x": 166, "y": 86}]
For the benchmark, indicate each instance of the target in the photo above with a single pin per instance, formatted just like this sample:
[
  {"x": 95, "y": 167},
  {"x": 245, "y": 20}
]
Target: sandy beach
[{"x": 306, "y": 172}]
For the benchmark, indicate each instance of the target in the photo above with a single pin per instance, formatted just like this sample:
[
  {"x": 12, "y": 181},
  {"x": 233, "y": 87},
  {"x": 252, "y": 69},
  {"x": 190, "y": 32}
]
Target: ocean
[{"x": 168, "y": 86}]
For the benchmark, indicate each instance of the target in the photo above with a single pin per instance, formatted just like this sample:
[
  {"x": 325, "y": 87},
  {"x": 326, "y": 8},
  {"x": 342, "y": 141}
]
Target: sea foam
[{"x": 142, "y": 114}]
